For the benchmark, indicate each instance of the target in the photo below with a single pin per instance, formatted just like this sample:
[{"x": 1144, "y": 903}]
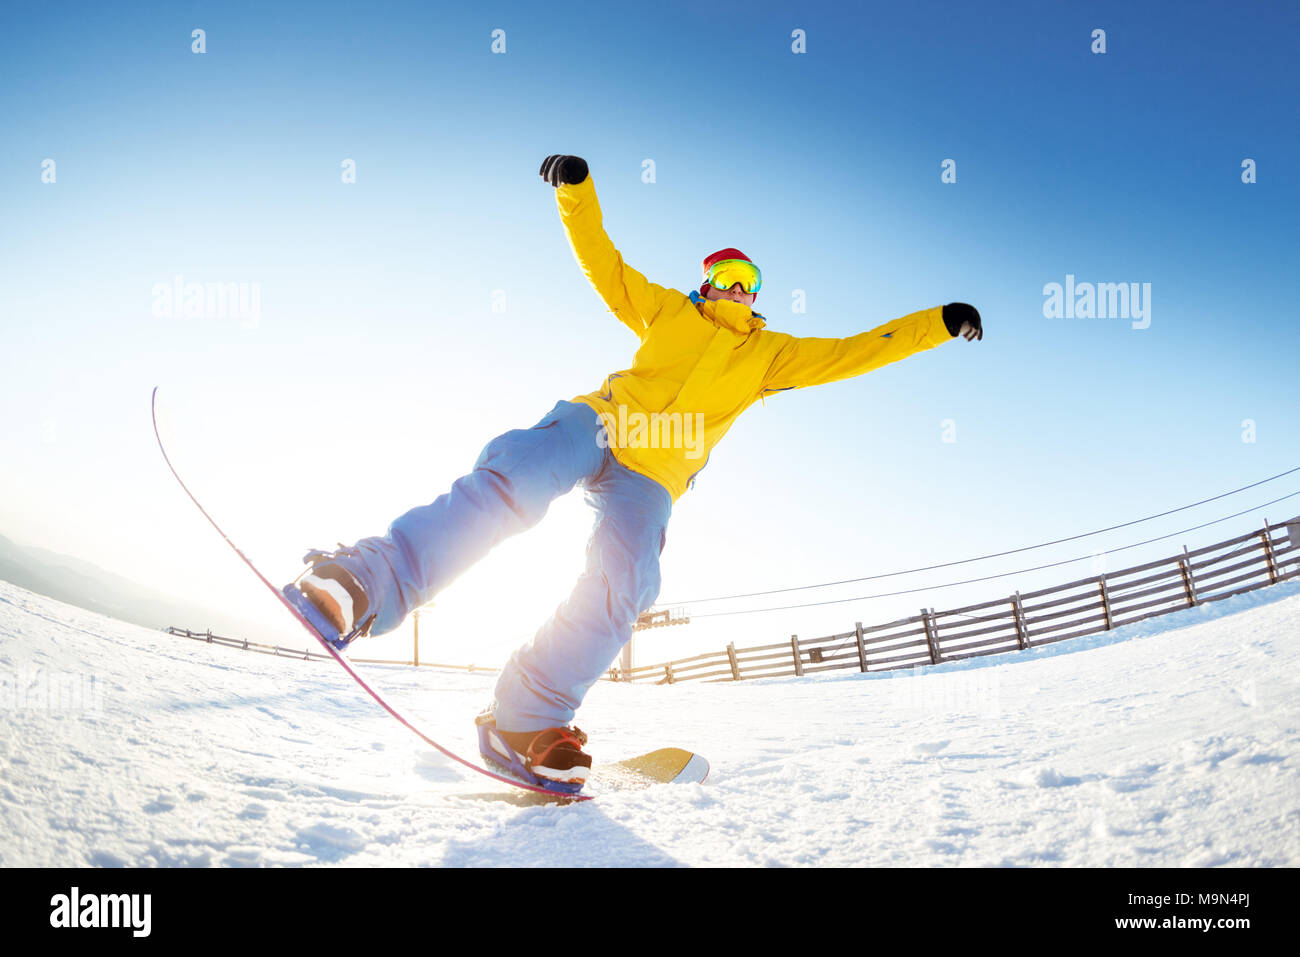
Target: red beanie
[{"x": 721, "y": 254}]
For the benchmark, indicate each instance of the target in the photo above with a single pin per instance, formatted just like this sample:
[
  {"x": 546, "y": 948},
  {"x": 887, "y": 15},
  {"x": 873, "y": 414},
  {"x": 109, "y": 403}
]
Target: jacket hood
[{"x": 728, "y": 314}]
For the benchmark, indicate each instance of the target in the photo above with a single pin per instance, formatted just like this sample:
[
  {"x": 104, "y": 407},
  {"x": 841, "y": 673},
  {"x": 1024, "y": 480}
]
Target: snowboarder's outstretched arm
[
  {"x": 630, "y": 296},
  {"x": 810, "y": 361}
]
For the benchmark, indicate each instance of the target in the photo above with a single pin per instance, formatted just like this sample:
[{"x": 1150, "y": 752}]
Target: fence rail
[
  {"x": 298, "y": 653},
  {"x": 1013, "y": 622}
]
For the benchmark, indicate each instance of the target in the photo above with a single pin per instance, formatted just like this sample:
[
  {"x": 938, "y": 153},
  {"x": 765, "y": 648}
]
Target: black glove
[
  {"x": 957, "y": 313},
  {"x": 558, "y": 170}
]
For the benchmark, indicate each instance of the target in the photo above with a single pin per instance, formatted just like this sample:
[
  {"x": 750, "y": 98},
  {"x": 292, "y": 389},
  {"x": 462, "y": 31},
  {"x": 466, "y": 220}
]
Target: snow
[{"x": 1170, "y": 742}]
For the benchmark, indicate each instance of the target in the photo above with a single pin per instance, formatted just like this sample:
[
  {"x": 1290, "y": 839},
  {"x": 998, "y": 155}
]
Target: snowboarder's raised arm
[
  {"x": 811, "y": 361},
  {"x": 630, "y": 296}
]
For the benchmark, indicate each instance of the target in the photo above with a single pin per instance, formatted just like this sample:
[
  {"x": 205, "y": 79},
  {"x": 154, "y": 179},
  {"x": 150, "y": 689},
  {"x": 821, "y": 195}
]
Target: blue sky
[{"x": 378, "y": 368}]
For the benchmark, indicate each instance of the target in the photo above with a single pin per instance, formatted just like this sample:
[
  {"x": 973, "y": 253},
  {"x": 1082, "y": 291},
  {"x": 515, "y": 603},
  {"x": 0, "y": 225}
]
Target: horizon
[{"x": 249, "y": 629}]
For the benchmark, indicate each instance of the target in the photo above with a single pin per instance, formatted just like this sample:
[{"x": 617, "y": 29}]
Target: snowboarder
[{"x": 635, "y": 445}]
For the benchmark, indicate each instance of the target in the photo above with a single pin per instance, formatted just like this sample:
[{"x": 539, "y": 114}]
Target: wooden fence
[
  {"x": 1012, "y": 622},
  {"x": 212, "y": 639}
]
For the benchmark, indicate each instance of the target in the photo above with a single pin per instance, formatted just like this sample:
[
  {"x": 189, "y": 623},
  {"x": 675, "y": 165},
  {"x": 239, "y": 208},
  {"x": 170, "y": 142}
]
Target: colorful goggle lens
[{"x": 727, "y": 272}]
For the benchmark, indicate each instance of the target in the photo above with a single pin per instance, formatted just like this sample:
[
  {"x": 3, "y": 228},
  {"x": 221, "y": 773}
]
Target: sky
[{"x": 406, "y": 318}]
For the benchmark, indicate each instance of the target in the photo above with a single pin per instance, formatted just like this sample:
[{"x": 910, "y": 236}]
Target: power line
[
  {"x": 1021, "y": 571},
  {"x": 980, "y": 558}
]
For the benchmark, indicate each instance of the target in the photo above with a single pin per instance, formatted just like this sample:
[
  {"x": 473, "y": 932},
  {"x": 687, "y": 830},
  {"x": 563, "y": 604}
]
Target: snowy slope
[{"x": 1172, "y": 742}]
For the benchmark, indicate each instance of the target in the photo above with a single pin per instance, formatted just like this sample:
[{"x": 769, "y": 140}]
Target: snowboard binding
[
  {"x": 327, "y": 585},
  {"x": 294, "y": 596},
  {"x": 495, "y": 748}
]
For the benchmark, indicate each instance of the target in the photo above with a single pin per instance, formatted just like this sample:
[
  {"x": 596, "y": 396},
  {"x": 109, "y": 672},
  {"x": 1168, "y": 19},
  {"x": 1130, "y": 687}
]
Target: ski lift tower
[{"x": 654, "y": 618}]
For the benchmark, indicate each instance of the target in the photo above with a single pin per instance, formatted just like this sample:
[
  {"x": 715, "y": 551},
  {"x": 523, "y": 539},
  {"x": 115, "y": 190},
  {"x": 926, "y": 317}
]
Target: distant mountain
[{"x": 80, "y": 583}]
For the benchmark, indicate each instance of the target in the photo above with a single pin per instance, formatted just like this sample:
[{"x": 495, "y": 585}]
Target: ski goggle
[{"x": 727, "y": 272}]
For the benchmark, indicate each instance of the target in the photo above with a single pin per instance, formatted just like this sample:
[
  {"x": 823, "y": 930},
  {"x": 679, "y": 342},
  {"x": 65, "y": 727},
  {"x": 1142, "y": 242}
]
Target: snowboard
[{"x": 662, "y": 766}]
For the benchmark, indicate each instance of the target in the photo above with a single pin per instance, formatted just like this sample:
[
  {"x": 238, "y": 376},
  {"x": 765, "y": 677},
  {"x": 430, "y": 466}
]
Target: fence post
[
  {"x": 798, "y": 658},
  {"x": 1189, "y": 580},
  {"x": 1267, "y": 536},
  {"x": 862, "y": 648},
  {"x": 735, "y": 665},
  {"x": 1105, "y": 601},
  {"x": 1292, "y": 539},
  {"x": 209, "y": 634},
  {"x": 1018, "y": 615},
  {"x": 930, "y": 638},
  {"x": 668, "y": 670}
]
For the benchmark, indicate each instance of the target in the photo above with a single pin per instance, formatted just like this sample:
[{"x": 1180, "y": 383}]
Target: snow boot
[
  {"x": 552, "y": 758},
  {"x": 331, "y": 599}
]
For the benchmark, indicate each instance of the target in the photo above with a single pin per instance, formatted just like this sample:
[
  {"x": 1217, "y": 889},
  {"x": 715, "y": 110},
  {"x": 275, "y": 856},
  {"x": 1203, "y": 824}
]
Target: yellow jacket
[{"x": 703, "y": 362}]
